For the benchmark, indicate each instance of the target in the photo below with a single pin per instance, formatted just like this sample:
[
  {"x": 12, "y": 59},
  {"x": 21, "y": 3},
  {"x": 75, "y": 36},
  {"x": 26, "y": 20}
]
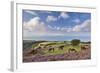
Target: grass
[
  {"x": 34, "y": 45},
  {"x": 57, "y": 51},
  {"x": 65, "y": 49}
]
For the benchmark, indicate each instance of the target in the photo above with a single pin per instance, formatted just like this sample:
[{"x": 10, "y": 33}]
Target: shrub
[{"x": 75, "y": 42}]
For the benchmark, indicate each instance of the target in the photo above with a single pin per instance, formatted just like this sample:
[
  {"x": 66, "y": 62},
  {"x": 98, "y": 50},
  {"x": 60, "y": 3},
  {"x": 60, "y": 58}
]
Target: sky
[{"x": 51, "y": 23}]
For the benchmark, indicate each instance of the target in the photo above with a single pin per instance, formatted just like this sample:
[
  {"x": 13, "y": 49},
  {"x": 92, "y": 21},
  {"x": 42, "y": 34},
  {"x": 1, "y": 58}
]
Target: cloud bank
[
  {"x": 31, "y": 12},
  {"x": 37, "y": 27}
]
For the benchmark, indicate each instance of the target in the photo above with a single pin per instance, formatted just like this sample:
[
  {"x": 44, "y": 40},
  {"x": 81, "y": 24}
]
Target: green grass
[
  {"x": 57, "y": 51},
  {"x": 65, "y": 50},
  {"x": 34, "y": 45}
]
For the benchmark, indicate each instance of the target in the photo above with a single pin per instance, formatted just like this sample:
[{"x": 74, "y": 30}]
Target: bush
[{"x": 75, "y": 42}]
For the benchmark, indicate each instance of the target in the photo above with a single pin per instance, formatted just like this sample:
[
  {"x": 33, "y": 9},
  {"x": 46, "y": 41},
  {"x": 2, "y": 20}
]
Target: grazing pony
[
  {"x": 85, "y": 47},
  {"x": 71, "y": 50},
  {"x": 36, "y": 50},
  {"x": 51, "y": 49},
  {"x": 61, "y": 47}
]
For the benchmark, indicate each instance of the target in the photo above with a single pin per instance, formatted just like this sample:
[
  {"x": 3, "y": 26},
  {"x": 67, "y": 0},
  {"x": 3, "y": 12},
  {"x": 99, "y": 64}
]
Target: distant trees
[
  {"x": 89, "y": 42},
  {"x": 75, "y": 42},
  {"x": 64, "y": 41}
]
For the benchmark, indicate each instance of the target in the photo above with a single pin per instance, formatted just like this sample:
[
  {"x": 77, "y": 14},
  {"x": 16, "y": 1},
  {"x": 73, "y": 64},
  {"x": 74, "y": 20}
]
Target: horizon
[{"x": 58, "y": 38}]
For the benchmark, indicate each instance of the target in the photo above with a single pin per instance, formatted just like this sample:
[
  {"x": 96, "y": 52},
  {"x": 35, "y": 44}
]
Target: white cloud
[
  {"x": 58, "y": 28},
  {"x": 48, "y": 12},
  {"x": 51, "y": 18},
  {"x": 77, "y": 28},
  {"x": 63, "y": 15},
  {"x": 85, "y": 26},
  {"x": 49, "y": 26},
  {"x": 31, "y": 12},
  {"x": 76, "y": 20},
  {"x": 53, "y": 27},
  {"x": 35, "y": 25},
  {"x": 66, "y": 29}
]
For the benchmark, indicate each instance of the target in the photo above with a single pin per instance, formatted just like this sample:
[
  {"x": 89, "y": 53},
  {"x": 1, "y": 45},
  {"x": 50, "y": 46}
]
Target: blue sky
[{"x": 52, "y": 23}]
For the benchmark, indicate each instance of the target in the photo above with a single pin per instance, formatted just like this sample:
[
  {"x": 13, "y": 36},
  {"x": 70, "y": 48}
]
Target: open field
[{"x": 39, "y": 51}]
